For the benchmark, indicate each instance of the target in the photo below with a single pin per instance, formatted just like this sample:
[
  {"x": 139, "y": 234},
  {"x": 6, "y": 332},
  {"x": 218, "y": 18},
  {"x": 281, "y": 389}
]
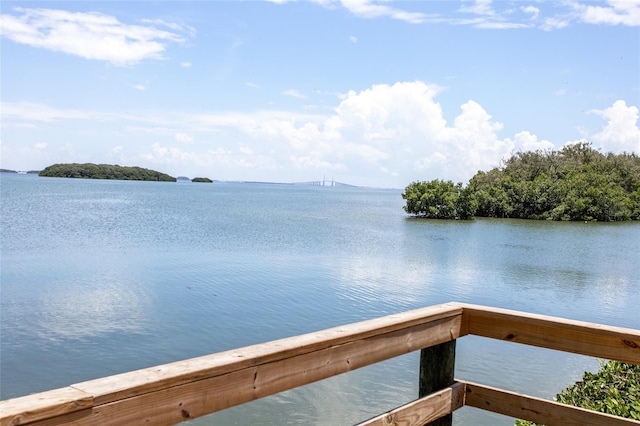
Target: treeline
[
  {"x": 104, "y": 171},
  {"x": 574, "y": 183}
]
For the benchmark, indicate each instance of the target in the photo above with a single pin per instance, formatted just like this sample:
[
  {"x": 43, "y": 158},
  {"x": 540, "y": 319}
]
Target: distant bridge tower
[{"x": 325, "y": 183}]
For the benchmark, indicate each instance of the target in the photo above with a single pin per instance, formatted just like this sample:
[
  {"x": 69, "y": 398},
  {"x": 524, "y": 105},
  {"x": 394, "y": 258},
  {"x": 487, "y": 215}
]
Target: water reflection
[
  {"x": 77, "y": 310},
  {"x": 104, "y": 277}
]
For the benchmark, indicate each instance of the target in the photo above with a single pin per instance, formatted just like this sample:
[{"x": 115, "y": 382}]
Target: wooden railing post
[{"x": 437, "y": 365}]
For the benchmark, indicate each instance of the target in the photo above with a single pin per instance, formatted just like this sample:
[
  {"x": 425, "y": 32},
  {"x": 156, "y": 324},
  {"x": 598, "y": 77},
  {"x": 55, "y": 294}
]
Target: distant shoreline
[
  {"x": 20, "y": 172},
  {"x": 321, "y": 183}
]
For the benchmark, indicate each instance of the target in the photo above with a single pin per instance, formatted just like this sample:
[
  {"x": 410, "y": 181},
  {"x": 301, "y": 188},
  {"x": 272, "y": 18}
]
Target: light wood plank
[
  {"x": 622, "y": 344},
  {"x": 189, "y": 400},
  {"x": 423, "y": 410},
  {"x": 199, "y": 397},
  {"x": 307, "y": 368},
  {"x": 537, "y": 410},
  {"x": 171, "y": 393},
  {"x": 113, "y": 388},
  {"x": 30, "y": 408}
]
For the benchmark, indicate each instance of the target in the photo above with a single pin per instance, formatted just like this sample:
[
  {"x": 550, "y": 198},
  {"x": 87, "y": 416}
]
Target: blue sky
[{"x": 373, "y": 93}]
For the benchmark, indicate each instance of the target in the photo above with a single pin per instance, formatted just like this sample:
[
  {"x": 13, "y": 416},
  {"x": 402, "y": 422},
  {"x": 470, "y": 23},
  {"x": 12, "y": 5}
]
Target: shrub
[{"x": 614, "y": 389}]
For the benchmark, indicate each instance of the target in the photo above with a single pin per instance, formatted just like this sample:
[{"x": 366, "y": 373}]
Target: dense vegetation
[
  {"x": 104, "y": 171},
  {"x": 614, "y": 389},
  {"x": 439, "y": 199},
  {"x": 574, "y": 183},
  {"x": 201, "y": 179}
]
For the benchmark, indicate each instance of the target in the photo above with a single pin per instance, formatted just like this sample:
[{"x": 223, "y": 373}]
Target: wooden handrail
[
  {"x": 579, "y": 337},
  {"x": 171, "y": 393}
]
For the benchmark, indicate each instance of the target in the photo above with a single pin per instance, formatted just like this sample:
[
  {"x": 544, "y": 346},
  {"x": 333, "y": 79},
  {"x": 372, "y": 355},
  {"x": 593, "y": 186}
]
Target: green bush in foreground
[{"x": 614, "y": 389}]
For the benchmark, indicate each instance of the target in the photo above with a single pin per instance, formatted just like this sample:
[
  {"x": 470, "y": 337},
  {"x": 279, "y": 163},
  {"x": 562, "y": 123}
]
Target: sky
[{"x": 370, "y": 93}]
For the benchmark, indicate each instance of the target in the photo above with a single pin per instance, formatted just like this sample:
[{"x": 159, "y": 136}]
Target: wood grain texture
[
  {"x": 424, "y": 410},
  {"x": 175, "y": 392},
  {"x": 113, "y": 388},
  {"x": 537, "y": 410},
  {"x": 30, "y": 408},
  {"x": 602, "y": 341},
  {"x": 171, "y": 393}
]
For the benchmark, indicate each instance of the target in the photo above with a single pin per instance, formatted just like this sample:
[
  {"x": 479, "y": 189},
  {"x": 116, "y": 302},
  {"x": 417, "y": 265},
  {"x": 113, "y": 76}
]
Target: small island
[
  {"x": 104, "y": 171},
  {"x": 575, "y": 183},
  {"x": 202, "y": 179}
]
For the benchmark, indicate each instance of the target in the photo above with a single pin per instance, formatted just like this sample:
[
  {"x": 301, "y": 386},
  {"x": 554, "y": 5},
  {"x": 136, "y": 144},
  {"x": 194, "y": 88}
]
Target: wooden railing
[{"x": 172, "y": 393}]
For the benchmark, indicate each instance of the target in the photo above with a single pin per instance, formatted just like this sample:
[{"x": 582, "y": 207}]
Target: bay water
[{"x": 102, "y": 277}]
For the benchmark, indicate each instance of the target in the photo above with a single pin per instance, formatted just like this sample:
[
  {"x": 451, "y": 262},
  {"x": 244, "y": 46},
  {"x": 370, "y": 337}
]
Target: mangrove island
[
  {"x": 574, "y": 183},
  {"x": 104, "y": 171}
]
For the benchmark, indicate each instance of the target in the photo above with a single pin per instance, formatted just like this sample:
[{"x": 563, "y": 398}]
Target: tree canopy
[
  {"x": 438, "y": 199},
  {"x": 613, "y": 389},
  {"x": 574, "y": 183},
  {"x": 104, "y": 171}
]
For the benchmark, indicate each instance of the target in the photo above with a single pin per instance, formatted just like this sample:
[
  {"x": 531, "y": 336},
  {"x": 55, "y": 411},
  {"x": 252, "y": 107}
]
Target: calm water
[{"x": 103, "y": 277}]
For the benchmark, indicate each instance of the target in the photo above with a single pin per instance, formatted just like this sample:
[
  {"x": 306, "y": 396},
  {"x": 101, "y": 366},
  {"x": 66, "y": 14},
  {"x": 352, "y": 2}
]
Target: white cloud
[
  {"x": 40, "y": 146},
  {"x": 140, "y": 87},
  {"x": 479, "y": 7},
  {"x": 373, "y": 9},
  {"x": 396, "y": 133},
  {"x": 39, "y": 112},
  {"x": 531, "y": 10},
  {"x": 294, "y": 94},
  {"x": 487, "y": 14},
  {"x": 488, "y": 17},
  {"x": 172, "y": 25},
  {"x": 246, "y": 150},
  {"x": 385, "y": 135},
  {"x": 353, "y": 39},
  {"x": 234, "y": 164},
  {"x": 621, "y": 132},
  {"x": 618, "y": 12},
  {"x": 116, "y": 155},
  {"x": 184, "y": 138},
  {"x": 555, "y": 23},
  {"x": 525, "y": 141},
  {"x": 185, "y": 64},
  {"x": 90, "y": 35}
]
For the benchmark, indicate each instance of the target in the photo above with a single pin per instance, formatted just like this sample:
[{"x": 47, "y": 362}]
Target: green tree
[
  {"x": 613, "y": 389},
  {"x": 574, "y": 183},
  {"x": 439, "y": 199}
]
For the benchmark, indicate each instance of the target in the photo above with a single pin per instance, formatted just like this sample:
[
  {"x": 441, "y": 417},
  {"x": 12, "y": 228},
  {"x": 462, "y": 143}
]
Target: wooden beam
[
  {"x": 437, "y": 365},
  {"x": 622, "y": 344},
  {"x": 171, "y": 393},
  {"x": 537, "y": 410},
  {"x": 31, "y": 408},
  {"x": 175, "y": 392},
  {"x": 194, "y": 399},
  {"x": 424, "y": 410}
]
